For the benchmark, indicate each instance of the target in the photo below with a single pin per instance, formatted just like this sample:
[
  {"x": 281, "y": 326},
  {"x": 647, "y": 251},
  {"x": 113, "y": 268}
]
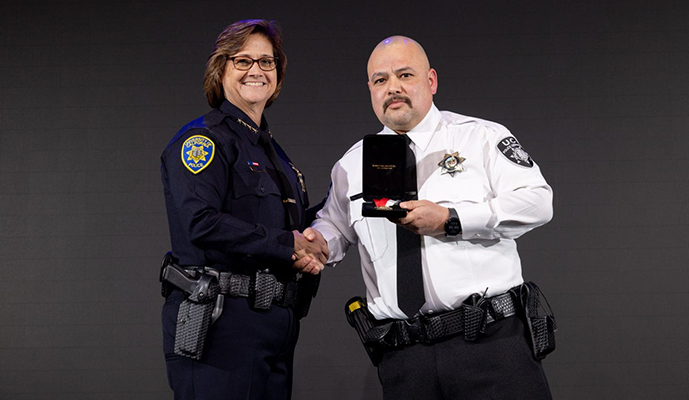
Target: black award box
[{"x": 385, "y": 177}]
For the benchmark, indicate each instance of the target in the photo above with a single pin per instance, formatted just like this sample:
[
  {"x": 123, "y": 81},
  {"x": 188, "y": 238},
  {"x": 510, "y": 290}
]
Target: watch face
[{"x": 452, "y": 227}]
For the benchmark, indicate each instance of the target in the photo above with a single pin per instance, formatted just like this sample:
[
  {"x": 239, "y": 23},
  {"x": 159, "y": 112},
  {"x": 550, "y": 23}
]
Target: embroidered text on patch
[
  {"x": 513, "y": 151},
  {"x": 197, "y": 153}
]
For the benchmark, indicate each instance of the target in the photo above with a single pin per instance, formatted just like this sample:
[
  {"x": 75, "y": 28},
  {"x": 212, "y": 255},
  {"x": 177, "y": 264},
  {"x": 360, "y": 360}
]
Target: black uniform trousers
[
  {"x": 498, "y": 365},
  {"x": 248, "y": 354}
]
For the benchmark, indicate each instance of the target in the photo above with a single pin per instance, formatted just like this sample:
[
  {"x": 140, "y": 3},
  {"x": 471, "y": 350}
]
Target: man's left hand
[{"x": 424, "y": 217}]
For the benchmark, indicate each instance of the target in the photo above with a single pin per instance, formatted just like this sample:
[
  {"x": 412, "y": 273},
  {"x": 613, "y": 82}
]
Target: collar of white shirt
[{"x": 422, "y": 133}]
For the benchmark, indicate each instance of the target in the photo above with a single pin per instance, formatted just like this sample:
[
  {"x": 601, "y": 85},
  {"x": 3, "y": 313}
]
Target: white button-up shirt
[{"x": 499, "y": 196}]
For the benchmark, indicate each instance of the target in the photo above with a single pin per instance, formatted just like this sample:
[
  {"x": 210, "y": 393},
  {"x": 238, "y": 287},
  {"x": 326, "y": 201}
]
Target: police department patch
[
  {"x": 197, "y": 153},
  {"x": 513, "y": 151}
]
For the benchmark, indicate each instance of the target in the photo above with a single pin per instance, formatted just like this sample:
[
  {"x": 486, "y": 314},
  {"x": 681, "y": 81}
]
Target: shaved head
[
  {"x": 401, "y": 82},
  {"x": 402, "y": 41}
]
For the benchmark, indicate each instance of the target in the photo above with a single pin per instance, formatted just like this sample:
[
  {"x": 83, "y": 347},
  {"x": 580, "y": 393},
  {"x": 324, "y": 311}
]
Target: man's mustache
[{"x": 396, "y": 98}]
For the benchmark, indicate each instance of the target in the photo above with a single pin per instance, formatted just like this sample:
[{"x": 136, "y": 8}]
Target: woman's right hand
[{"x": 310, "y": 251}]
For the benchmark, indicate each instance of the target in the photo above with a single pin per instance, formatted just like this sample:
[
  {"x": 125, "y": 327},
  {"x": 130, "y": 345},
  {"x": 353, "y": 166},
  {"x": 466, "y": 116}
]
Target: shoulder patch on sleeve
[
  {"x": 513, "y": 151},
  {"x": 197, "y": 153}
]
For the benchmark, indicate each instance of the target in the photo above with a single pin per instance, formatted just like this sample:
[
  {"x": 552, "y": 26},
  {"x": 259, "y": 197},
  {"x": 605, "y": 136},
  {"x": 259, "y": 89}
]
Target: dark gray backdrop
[{"x": 90, "y": 93}]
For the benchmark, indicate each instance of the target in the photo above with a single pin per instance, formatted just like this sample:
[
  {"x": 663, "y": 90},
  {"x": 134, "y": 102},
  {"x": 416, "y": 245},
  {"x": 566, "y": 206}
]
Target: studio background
[{"x": 91, "y": 91}]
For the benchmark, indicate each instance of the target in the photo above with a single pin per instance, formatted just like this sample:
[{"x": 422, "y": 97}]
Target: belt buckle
[{"x": 414, "y": 330}]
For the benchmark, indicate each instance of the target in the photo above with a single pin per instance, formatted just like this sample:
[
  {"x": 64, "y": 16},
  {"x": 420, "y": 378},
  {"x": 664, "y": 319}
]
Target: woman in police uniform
[{"x": 236, "y": 204}]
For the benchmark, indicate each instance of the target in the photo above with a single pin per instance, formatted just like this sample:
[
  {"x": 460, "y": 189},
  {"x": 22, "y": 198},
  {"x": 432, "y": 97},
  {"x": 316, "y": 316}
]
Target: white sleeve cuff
[{"x": 477, "y": 220}]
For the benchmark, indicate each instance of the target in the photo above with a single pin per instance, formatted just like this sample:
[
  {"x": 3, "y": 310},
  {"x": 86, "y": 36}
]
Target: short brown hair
[{"x": 229, "y": 42}]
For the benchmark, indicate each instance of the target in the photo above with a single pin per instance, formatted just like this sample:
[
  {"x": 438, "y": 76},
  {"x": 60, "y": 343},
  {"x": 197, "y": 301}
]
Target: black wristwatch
[{"x": 452, "y": 226}]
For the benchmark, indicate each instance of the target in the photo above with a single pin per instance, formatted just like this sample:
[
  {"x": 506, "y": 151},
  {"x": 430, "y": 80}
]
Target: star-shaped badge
[
  {"x": 197, "y": 153},
  {"x": 452, "y": 163}
]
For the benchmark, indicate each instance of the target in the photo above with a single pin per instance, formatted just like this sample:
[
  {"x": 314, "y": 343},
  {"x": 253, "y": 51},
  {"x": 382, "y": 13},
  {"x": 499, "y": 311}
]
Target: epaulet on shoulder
[
  {"x": 454, "y": 119},
  {"x": 198, "y": 123},
  {"x": 213, "y": 118}
]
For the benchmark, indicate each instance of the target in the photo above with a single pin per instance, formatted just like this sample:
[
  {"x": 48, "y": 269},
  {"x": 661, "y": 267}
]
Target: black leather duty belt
[
  {"x": 470, "y": 319},
  {"x": 263, "y": 287}
]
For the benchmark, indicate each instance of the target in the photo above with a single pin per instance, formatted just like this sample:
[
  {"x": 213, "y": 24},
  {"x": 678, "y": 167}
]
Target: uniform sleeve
[
  {"x": 198, "y": 201},
  {"x": 333, "y": 221},
  {"x": 521, "y": 201}
]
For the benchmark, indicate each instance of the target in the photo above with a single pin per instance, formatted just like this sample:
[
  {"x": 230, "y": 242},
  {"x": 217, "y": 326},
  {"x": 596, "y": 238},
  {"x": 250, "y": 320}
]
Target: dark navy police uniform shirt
[{"x": 224, "y": 208}]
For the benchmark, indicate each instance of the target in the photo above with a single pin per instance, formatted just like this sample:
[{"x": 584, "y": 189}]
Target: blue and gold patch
[{"x": 197, "y": 153}]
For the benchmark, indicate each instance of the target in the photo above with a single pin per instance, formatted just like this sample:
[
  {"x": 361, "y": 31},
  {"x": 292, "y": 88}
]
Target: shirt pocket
[
  {"x": 457, "y": 191},
  {"x": 370, "y": 231},
  {"x": 258, "y": 183}
]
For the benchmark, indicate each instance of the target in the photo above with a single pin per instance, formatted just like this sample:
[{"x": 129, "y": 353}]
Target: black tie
[
  {"x": 288, "y": 199},
  {"x": 410, "y": 296}
]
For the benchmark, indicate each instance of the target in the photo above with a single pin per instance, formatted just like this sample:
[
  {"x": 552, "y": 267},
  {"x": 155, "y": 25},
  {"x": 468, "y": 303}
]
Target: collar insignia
[
  {"x": 251, "y": 128},
  {"x": 247, "y": 126},
  {"x": 452, "y": 163},
  {"x": 197, "y": 153},
  {"x": 300, "y": 177}
]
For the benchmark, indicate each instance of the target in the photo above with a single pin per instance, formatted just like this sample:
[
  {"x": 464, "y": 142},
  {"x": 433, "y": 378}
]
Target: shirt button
[
  {"x": 263, "y": 190},
  {"x": 430, "y": 311}
]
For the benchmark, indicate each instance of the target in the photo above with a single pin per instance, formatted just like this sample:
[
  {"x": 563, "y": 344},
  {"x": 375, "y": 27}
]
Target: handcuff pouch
[{"x": 541, "y": 328}]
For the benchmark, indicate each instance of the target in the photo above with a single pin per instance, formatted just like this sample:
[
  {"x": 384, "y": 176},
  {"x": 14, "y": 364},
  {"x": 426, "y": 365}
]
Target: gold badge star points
[{"x": 197, "y": 153}]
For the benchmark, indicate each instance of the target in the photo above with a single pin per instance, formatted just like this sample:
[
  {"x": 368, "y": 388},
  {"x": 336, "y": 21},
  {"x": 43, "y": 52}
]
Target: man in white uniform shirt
[{"x": 479, "y": 190}]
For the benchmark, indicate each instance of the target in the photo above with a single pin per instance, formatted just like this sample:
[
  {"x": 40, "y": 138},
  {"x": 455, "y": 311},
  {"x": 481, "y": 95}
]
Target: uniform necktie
[
  {"x": 410, "y": 295},
  {"x": 288, "y": 198}
]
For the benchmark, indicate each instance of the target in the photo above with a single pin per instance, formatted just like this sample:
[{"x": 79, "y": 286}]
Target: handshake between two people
[
  {"x": 310, "y": 251},
  {"x": 423, "y": 218}
]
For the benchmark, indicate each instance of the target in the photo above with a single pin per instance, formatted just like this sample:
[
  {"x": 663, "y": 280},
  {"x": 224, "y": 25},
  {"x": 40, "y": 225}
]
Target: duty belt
[
  {"x": 205, "y": 284},
  {"x": 205, "y": 289},
  {"x": 470, "y": 319},
  {"x": 263, "y": 287}
]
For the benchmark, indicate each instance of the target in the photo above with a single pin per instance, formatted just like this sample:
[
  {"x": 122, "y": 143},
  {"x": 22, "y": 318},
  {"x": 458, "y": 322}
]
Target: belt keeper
[
  {"x": 236, "y": 286},
  {"x": 502, "y": 306},
  {"x": 434, "y": 328}
]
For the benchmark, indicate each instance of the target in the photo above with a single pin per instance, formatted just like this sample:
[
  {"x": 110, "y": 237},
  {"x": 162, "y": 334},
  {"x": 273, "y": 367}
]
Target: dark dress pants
[
  {"x": 248, "y": 354},
  {"x": 498, "y": 365}
]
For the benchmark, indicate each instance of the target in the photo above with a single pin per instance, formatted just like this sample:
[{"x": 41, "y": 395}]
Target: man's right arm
[
  {"x": 334, "y": 221},
  {"x": 310, "y": 251}
]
